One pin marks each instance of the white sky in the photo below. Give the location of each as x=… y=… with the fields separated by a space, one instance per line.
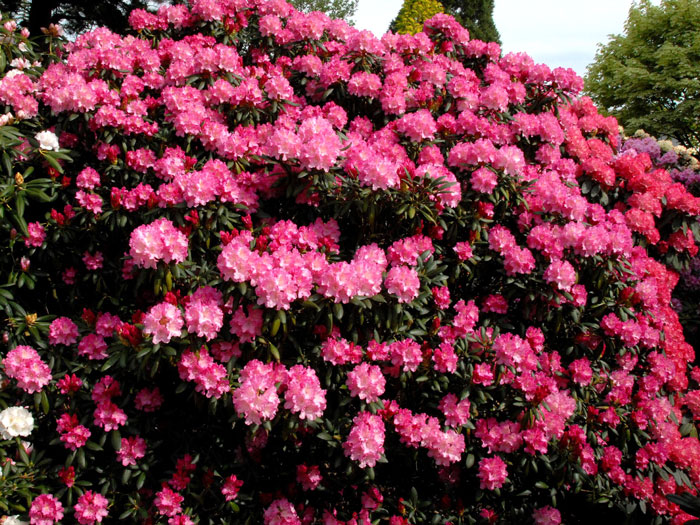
x=556 y=32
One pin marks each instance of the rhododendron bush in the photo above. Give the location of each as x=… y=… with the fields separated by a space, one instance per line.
x=265 y=267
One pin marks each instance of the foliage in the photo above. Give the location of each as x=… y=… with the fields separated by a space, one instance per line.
x=75 y=16
x=647 y=76
x=414 y=13
x=262 y=267
x=334 y=8
x=476 y=16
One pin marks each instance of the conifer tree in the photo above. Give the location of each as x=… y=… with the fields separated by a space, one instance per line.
x=476 y=16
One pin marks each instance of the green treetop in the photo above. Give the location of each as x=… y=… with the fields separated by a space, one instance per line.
x=476 y=16
x=413 y=14
x=333 y=8
x=647 y=77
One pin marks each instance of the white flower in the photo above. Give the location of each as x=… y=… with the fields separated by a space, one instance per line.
x=47 y=140
x=12 y=520
x=16 y=421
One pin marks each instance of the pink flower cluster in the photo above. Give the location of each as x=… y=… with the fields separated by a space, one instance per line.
x=24 y=364
x=211 y=377
x=91 y=507
x=157 y=241
x=445 y=447
x=365 y=443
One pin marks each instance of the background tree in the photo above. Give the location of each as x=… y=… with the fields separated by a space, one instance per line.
x=647 y=77
x=334 y=8
x=476 y=16
x=75 y=16
x=413 y=14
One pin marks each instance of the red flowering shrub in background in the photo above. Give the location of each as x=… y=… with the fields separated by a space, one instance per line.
x=284 y=271
x=683 y=166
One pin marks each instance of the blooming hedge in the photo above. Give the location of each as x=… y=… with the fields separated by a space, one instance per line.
x=265 y=267
x=682 y=165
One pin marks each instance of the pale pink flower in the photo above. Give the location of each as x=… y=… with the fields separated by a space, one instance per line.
x=24 y=364
x=403 y=282
x=158 y=241
x=366 y=382
x=304 y=395
x=281 y=512
x=456 y=412
x=256 y=398
x=365 y=443
x=163 y=321
x=546 y=516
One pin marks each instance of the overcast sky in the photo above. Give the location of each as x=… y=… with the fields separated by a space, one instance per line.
x=556 y=32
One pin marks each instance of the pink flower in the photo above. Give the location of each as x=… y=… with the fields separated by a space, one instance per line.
x=247 y=327
x=463 y=251
x=45 y=510
x=63 y=331
x=403 y=282
x=87 y=179
x=417 y=126
x=109 y=416
x=484 y=180
x=339 y=351
x=132 y=448
x=71 y=433
x=562 y=274
x=483 y=374
x=204 y=317
x=158 y=241
x=90 y=508
x=456 y=412
x=93 y=262
x=37 y=234
x=93 y=346
x=281 y=512
x=304 y=395
x=231 y=487
x=168 y=502
x=581 y=372
x=492 y=473
x=366 y=382
x=256 y=398
x=407 y=354
x=546 y=516
x=24 y=364
x=365 y=443
x=445 y=358
x=90 y=201
x=211 y=377
x=163 y=321
x=148 y=400
x=309 y=476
